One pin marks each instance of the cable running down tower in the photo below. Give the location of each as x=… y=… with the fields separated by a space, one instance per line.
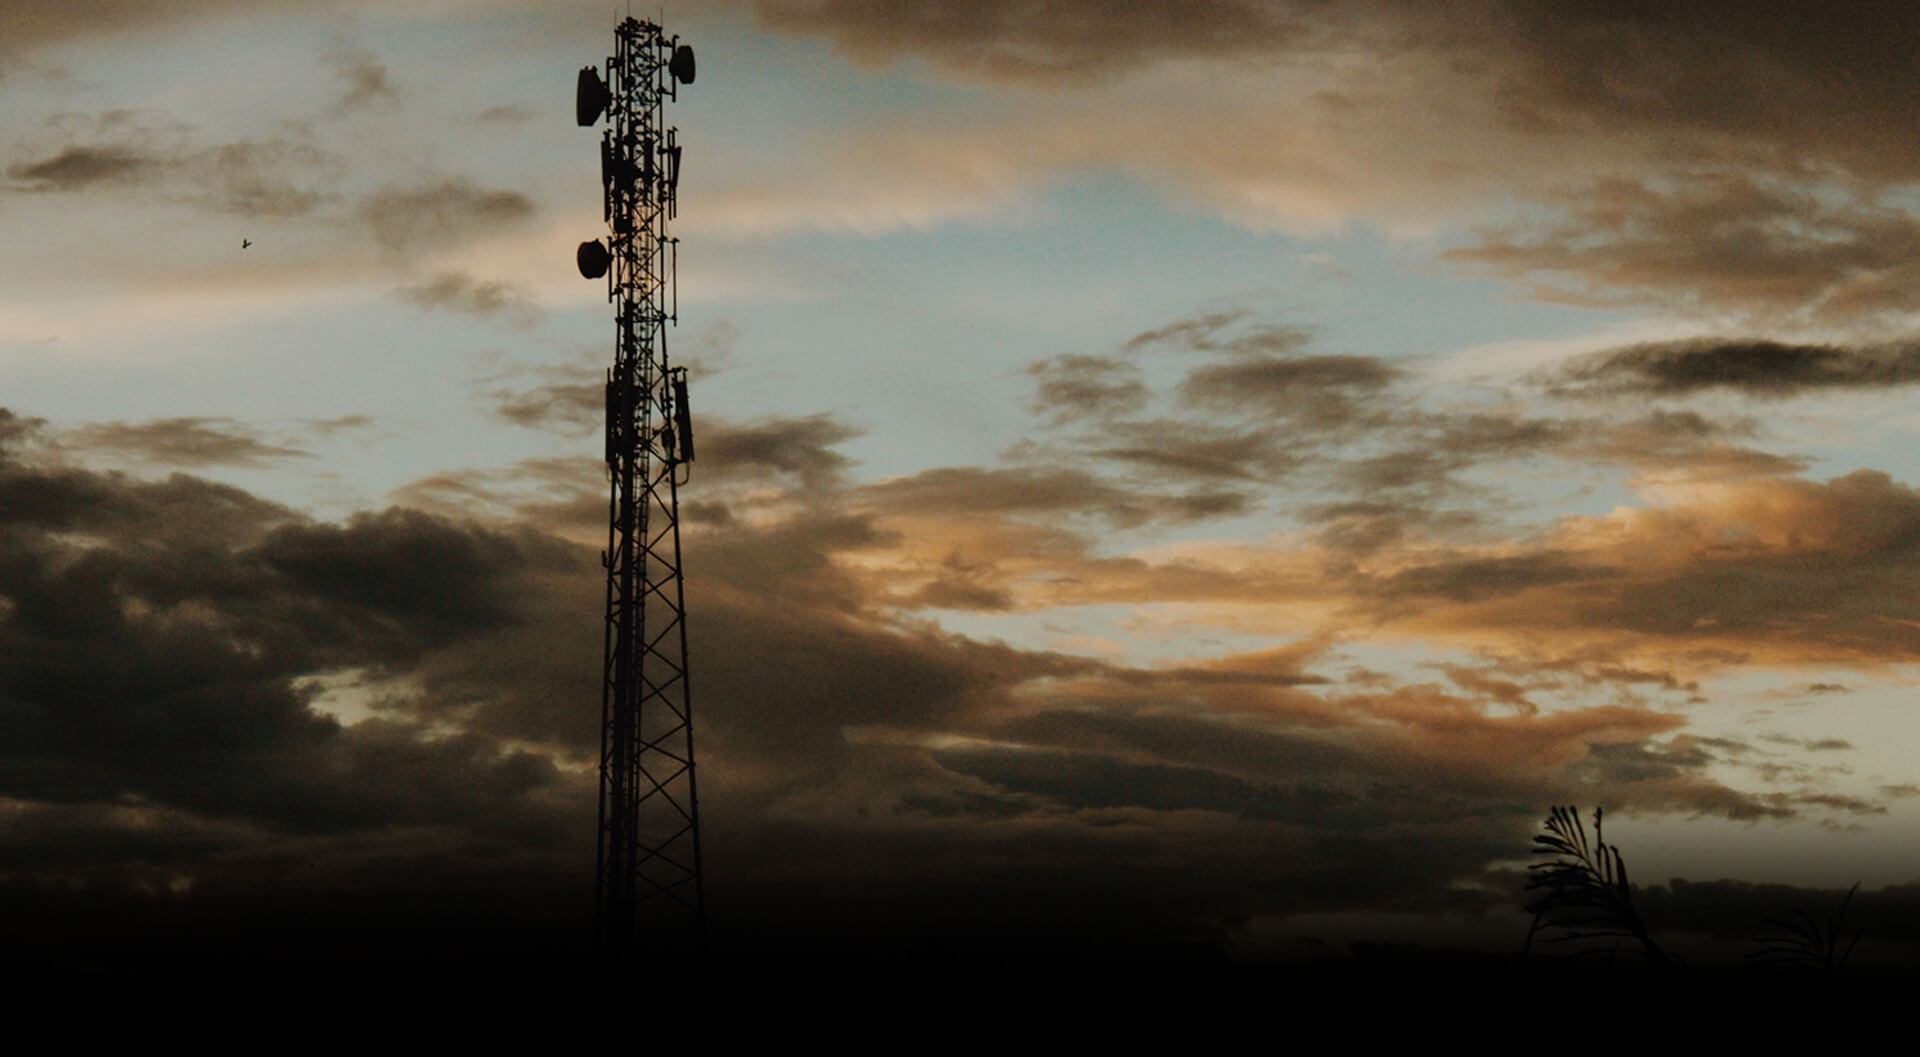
x=649 y=905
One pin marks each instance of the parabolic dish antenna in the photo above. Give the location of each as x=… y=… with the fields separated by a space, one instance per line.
x=593 y=259
x=592 y=97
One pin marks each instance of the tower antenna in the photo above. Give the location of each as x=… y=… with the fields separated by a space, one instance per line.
x=649 y=897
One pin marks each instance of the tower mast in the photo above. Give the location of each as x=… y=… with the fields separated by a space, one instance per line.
x=649 y=900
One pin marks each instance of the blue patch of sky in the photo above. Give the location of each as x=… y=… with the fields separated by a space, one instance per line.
x=923 y=338
x=1140 y=635
x=419 y=376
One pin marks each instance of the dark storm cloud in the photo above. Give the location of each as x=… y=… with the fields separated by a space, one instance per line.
x=1415 y=470
x=327 y=427
x=262 y=178
x=1282 y=382
x=1888 y=918
x=1197 y=332
x=509 y=113
x=1758 y=81
x=1188 y=449
x=77 y=836
x=399 y=573
x=790 y=452
x=566 y=406
x=1837 y=802
x=460 y=292
x=891 y=679
x=1747 y=570
x=1357 y=528
x=1420 y=477
x=1714 y=238
x=1678 y=445
x=1382 y=462
x=1737 y=156
x=1494 y=435
x=800 y=449
x=1260 y=409
x=53 y=499
x=1326 y=776
x=1321 y=393
x=803 y=664
x=1222 y=332
x=952 y=490
x=15 y=431
x=431 y=216
x=80 y=168
x=1084 y=781
x=135 y=153
x=364 y=78
x=1752 y=367
x=189 y=442
x=958 y=592
x=1473 y=579
x=1641 y=762
x=1071 y=387
x=1047 y=493
x=797 y=557
x=39 y=23
x=998 y=38
x=1705 y=79
x=1720 y=462
x=1265 y=757
x=1354 y=748
x=565 y=496
x=160 y=638
x=1801 y=745
x=1221 y=424
x=200 y=627
x=1261 y=376
x=1198 y=506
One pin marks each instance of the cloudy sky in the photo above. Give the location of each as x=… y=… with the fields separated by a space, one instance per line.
x=1198 y=482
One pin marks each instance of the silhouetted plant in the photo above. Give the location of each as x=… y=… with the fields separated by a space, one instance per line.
x=1584 y=893
x=1806 y=945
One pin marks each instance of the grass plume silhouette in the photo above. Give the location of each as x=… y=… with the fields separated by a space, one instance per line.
x=1584 y=895
x=1807 y=945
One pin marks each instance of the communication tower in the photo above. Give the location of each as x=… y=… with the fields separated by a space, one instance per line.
x=649 y=904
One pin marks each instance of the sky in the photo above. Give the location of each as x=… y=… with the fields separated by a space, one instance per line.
x=1189 y=485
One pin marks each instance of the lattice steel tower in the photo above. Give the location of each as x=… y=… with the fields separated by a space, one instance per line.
x=649 y=904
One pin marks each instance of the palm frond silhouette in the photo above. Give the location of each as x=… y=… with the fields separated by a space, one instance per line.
x=1807 y=945
x=1584 y=895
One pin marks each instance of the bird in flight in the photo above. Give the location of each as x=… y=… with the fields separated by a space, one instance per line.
x=244 y=243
